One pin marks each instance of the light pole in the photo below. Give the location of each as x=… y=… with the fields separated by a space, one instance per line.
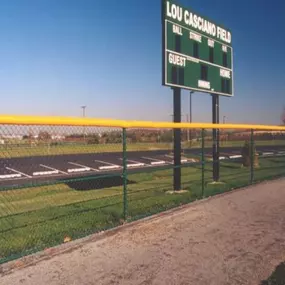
x=224 y=131
x=187 y=120
x=190 y=119
x=83 y=114
x=182 y=115
x=83 y=110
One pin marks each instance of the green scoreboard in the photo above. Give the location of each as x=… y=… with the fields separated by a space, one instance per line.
x=197 y=53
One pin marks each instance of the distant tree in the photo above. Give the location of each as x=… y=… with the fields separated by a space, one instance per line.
x=152 y=137
x=166 y=136
x=113 y=137
x=75 y=136
x=93 y=140
x=133 y=137
x=44 y=136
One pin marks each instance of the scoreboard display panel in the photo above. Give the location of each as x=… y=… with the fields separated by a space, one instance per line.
x=197 y=53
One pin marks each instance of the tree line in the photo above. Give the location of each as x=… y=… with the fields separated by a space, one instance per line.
x=151 y=136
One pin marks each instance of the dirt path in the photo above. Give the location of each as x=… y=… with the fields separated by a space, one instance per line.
x=238 y=238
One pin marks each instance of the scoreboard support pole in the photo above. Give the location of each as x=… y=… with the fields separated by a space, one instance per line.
x=177 y=139
x=216 y=138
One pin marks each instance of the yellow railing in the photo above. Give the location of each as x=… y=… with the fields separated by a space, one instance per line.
x=54 y=171
x=72 y=121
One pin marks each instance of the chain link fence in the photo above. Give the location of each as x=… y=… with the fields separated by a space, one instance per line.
x=60 y=183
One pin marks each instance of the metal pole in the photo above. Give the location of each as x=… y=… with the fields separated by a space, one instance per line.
x=83 y=110
x=188 y=136
x=125 y=176
x=252 y=154
x=173 y=121
x=203 y=162
x=216 y=139
x=83 y=114
x=177 y=139
x=190 y=115
x=224 y=131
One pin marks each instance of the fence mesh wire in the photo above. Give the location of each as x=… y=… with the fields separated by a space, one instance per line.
x=57 y=184
x=61 y=183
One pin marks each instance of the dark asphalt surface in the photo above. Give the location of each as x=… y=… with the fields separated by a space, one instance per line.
x=25 y=170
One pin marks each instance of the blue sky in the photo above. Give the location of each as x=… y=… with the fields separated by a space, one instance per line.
x=56 y=55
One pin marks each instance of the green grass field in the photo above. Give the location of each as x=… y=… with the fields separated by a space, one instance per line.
x=277 y=277
x=34 y=218
x=8 y=151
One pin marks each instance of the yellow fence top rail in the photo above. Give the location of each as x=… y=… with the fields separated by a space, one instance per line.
x=72 y=121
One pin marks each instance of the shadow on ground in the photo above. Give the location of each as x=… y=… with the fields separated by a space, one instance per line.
x=277 y=277
x=94 y=183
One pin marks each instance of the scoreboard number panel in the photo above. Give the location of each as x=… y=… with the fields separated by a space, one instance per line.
x=197 y=53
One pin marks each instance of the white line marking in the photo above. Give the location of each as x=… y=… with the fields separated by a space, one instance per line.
x=83 y=166
x=280 y=153
x=51 y=168
x=18 y=172
x=136 y=165
x=267 y=153
x=42 y=173
x=154 y=159
x=136 y=162
x=150 y=158
x=235 y=156
x=14 y=179
x=10 y=176
x=78 y=170
x=107 y=163
x=183 y=160
x=110 y=167
x=158 y=162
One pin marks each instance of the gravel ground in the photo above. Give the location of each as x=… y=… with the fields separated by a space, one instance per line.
x=236 y=238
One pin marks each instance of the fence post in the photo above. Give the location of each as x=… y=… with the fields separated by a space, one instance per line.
x=203 y=162
x=125 y=175
x=252 y=156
